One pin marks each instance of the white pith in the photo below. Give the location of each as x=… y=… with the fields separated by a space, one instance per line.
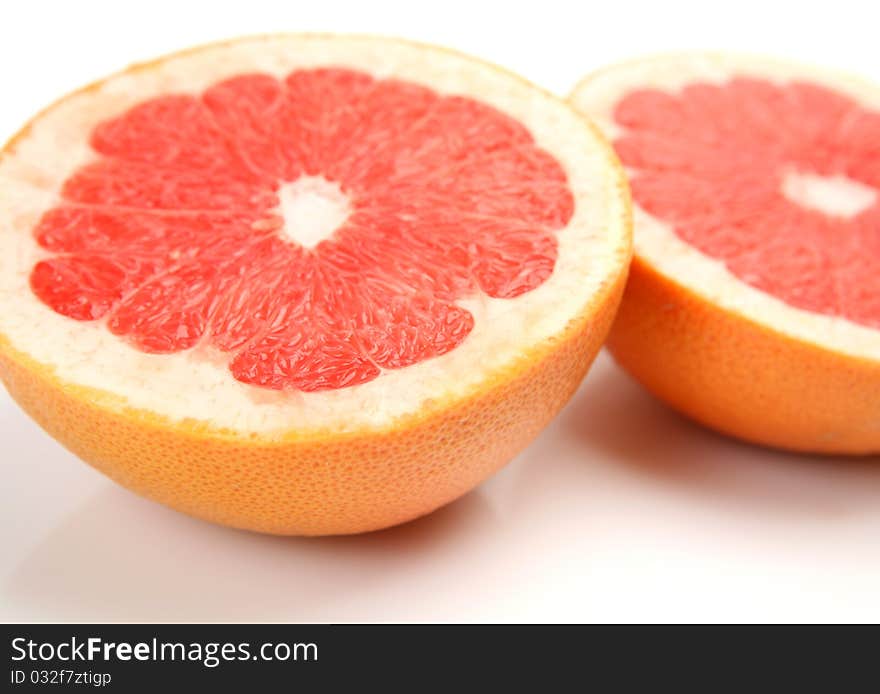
x=197 y=384
x=836 y=196
x=311 y=209
x=657 y=244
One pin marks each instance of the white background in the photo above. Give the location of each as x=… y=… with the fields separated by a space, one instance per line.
x=620 y=511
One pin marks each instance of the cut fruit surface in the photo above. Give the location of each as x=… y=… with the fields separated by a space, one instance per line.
x=310 y=280
x=334 y=228
x=754 y=302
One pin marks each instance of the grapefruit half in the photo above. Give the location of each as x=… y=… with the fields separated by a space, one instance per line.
x=306 y=284
x=754 y=298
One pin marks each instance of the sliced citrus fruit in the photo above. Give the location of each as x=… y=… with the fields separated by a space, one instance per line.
x=754 y=298
x=306 y=284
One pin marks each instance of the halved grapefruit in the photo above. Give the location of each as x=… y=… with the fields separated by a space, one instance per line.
x=306 y=284
x=754 y=298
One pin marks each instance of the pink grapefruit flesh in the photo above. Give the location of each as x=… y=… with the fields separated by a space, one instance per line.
x=177 y=236
x=777 y=181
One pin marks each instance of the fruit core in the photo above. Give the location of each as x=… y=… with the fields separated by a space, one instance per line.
x=311 y=210
x=318 y=228
x=778 y=181
x=836 y=196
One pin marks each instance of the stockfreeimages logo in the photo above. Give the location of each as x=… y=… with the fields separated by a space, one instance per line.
x=209 y=654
